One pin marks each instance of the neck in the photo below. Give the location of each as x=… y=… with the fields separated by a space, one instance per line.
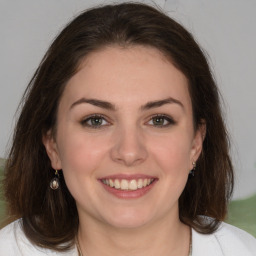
x=166 y=237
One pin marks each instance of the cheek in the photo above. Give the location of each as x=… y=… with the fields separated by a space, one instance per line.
x=80 y=157
x=172 y=154
x=80 y=153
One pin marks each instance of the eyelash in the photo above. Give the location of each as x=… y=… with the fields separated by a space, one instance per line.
x=85 y=121
x=165 y=118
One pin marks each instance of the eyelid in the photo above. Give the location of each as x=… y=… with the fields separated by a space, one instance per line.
x=87 y=118
x=166 y=117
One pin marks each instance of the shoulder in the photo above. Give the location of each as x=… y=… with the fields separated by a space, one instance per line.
x=233 y=239
x=13 y=242
x=227 y=240
x=235 y=234
x=8 y=239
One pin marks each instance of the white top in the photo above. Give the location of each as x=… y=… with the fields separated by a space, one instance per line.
x=226 y=241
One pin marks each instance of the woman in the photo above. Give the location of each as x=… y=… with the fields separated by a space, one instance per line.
x=120 y=147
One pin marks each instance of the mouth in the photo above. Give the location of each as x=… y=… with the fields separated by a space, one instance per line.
x=128 y=184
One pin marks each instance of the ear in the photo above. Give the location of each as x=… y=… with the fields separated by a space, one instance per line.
x=52 y=150
x=197 y=144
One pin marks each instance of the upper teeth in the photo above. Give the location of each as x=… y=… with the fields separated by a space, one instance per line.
x=127 y=184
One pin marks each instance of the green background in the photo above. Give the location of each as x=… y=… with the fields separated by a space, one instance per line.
x=242 y=213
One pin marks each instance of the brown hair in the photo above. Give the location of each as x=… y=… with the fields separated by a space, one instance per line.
x=49 y=217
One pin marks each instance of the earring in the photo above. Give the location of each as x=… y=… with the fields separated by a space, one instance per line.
x=55 y=182
x=192 y=172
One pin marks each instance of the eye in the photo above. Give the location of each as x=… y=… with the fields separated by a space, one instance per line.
x=161 y=121
x=95 y=121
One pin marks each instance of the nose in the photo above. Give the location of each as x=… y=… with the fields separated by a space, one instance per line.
x=129 y=147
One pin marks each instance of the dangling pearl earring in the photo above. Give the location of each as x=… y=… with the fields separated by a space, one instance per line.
x=192 y=172
x=55 y=182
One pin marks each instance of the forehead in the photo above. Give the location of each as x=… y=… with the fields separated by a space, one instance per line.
x=130 y=75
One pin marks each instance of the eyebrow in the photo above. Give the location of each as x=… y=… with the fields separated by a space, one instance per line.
x=159 y=103
x=95 y=102
x=110 y=106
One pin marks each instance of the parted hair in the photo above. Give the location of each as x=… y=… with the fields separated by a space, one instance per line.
x=50 y=218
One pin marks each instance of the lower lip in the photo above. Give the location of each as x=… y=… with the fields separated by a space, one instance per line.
x=129 y=194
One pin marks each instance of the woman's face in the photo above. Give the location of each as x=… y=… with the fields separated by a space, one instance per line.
x=125 y=139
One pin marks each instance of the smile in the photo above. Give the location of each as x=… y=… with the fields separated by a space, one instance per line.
x=125 y=184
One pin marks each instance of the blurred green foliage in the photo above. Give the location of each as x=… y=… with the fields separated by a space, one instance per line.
x=242 y=214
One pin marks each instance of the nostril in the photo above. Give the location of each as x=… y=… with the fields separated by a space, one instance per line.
x=129 y=156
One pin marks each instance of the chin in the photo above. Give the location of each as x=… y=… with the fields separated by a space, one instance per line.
x=128 y=219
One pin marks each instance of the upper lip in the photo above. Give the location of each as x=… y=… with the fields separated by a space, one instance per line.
x=128 y=177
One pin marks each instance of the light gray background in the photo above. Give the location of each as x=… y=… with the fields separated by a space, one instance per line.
x=225 y=29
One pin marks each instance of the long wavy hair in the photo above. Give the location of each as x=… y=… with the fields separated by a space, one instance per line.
x=50 y=218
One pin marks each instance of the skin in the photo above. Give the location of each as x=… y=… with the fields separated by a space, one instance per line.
x=128 y=141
